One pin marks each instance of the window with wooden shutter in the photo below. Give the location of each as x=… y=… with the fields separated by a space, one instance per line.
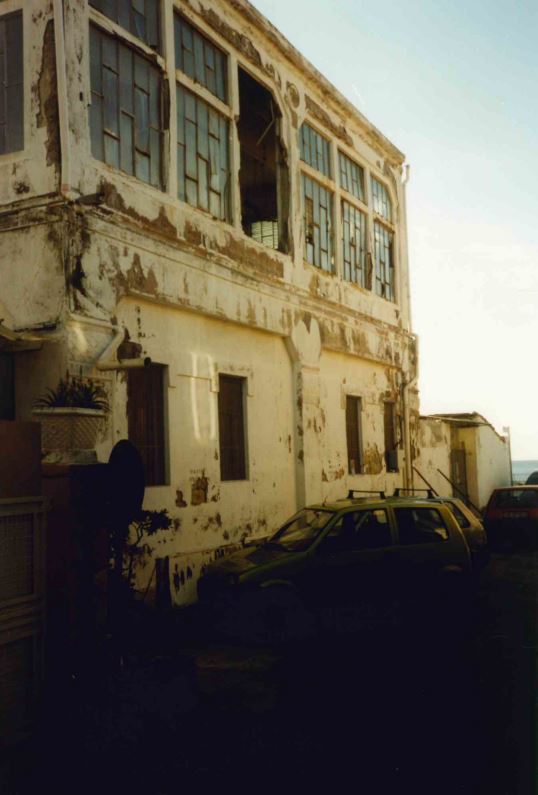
x=354 y=434
x=146 y=420
x=232 y=428
x=391 y=443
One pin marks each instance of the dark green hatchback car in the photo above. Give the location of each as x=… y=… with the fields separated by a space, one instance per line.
x=382 y=557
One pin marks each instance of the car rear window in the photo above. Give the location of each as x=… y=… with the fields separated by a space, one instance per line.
x=516 y=498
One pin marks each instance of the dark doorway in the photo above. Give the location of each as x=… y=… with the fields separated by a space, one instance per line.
x=263 y=177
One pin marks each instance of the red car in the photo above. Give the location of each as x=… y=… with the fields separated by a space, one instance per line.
x=511 y=518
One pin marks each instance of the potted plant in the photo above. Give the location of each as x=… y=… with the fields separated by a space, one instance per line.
x=70 y=417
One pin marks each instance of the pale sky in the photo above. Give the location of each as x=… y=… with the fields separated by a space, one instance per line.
x=453 y=85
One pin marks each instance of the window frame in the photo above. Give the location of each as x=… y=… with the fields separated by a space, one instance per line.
x=242 y=443
x=106 y=26
x=163 y=466
x=387 y=226
x=356 y=401
x=224 y=109
x=6 y=153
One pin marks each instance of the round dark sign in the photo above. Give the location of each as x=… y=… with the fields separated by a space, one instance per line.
x=126 y=481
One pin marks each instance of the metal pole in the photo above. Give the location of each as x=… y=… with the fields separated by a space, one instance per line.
x=506 y=431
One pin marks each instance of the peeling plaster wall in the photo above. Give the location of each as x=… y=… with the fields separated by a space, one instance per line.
x=492 y=464
x=434 y=445
x=34 y=171
x=198 y=295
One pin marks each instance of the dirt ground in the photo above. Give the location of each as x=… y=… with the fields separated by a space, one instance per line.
x=427 y=710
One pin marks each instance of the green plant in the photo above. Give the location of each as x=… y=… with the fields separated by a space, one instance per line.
x=75 y=392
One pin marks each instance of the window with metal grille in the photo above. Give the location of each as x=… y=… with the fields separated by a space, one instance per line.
x=315 y=149
x=139 y=17
x=354 y=434
x=199 y=58
x=203 y=170
x=351 y=177
x=232 y=428
x=384 y=262
x=146 y=420
x=125 y=112
x=391 y=442
x=11 y=84
x=354 y=244
x=381 y=200
x=317 y=224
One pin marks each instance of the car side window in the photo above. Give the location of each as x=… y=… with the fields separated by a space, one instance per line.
x=460 y=517
x=358 y=530
x=420 y=526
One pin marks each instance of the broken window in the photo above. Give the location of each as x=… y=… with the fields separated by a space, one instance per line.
x=381 y=200
x=317 y=223
x=351 y=177
x=391 y=442
x=384 y=262
x=315 y=150
x=354 y=244
x=146 y=420
x=354 y=434
x=232 y=428
x=203 y=170
x=199 y=58
x=11 y=84
x=125 y=112
x=139 y=17
x=263 y=177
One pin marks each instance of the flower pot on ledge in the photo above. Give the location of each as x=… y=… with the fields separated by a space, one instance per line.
x=69 y=434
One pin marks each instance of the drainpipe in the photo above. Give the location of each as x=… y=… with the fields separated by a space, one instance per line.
x=63 y=102
x=108 y=360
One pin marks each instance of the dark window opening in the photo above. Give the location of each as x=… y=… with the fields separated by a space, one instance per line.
x=11 y=84
x=232 y=428
x=199 y=58
x=125 y=112
x=354 y=434
x=391 y=441
x=146 y=420
x=139 y=17
x=263 y=177
x=7 y=386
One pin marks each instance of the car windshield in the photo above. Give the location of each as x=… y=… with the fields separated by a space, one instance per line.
x=517 y=498
x=300 y=531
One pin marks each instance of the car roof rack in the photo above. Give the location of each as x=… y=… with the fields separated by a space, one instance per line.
x=351 y=492
x=398 y=492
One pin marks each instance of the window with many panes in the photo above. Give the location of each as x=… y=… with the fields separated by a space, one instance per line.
x=317 y=199
x=126 y=110
x=383 y=242
x=203 y=125
x=11 y=84
x=139 y=17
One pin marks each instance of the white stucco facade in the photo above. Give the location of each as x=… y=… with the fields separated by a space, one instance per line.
x=91 y=255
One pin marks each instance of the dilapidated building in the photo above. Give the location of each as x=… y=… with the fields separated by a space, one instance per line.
x=192 y=215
